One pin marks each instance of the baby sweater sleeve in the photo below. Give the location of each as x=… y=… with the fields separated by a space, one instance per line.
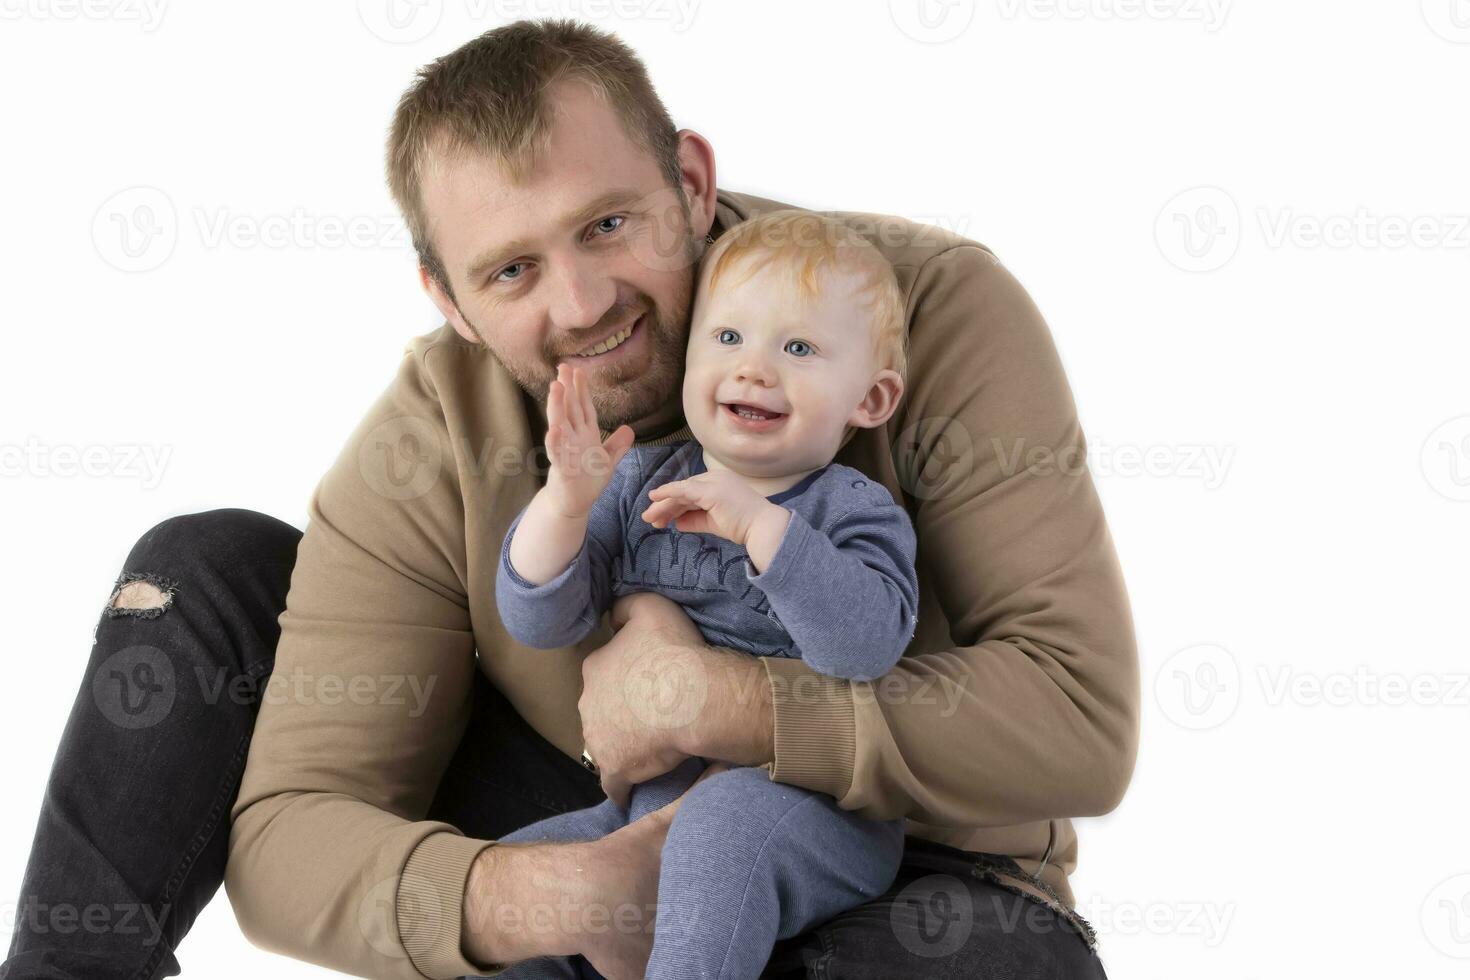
x=562 y=611
x=847 y=594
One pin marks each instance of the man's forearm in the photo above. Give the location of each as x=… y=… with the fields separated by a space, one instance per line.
x=737 y=721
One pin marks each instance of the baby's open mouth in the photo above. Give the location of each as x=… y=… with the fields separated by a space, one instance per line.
x=751 y=413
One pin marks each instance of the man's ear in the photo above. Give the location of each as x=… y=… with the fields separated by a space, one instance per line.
x=448 y=307
x=697 y=167
x=880 y=402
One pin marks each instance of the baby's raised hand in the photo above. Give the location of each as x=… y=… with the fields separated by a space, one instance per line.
x=581 y=463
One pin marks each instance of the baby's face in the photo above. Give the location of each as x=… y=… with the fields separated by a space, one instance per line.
x=807 y=362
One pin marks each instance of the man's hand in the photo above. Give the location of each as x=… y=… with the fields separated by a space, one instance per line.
x=656 y=695
x=597 y=898
x=718 y=502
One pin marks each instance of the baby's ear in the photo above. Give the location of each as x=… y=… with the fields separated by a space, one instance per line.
x=879 y=404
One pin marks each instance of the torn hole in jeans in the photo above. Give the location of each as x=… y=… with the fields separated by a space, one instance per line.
x=142 y=595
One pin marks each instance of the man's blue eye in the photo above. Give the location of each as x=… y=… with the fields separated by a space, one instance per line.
x=801 y=344
x=727 y=333
x=500 y=276
x=608 y=231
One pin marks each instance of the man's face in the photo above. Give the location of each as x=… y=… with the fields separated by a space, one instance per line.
x=592 y=249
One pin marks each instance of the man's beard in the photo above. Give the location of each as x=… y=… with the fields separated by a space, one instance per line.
x=624 y=393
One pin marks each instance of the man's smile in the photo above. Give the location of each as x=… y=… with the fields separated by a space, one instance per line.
x=609 y=345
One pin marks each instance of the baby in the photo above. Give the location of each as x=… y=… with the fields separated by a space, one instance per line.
x=797 y=335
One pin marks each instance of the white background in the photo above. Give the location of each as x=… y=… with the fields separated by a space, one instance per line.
x=1247 y=223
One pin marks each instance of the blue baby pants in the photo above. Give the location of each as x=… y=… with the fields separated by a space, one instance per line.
x=747 y=861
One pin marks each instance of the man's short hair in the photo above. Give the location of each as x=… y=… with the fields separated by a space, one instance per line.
x=805 y=243
x=489 y=96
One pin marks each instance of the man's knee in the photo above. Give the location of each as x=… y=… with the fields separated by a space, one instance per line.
x=222 y=539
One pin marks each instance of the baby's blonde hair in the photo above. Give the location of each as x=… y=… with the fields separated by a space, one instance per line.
x=806 y=243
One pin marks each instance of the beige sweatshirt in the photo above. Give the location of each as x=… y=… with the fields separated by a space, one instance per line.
x=1015 y=707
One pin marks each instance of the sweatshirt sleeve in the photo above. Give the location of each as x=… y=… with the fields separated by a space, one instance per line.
x=1031 y=710
x=847 y=594
x=331 y=858
x=564 y=610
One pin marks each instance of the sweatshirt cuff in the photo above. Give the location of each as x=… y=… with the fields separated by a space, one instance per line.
x=430 y=905
x=816 y=730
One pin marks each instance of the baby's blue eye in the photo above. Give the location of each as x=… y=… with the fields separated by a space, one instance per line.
x=806 y=347
x=720 y=338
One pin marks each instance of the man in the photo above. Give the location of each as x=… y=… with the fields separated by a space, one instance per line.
x=402 y=730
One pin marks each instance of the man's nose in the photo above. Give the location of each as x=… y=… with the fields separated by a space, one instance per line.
x=581 y=296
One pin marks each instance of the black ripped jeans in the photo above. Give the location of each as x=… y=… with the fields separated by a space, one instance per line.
x=133 y=832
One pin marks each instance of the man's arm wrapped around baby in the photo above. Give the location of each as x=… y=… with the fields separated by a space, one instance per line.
x=847 y=592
